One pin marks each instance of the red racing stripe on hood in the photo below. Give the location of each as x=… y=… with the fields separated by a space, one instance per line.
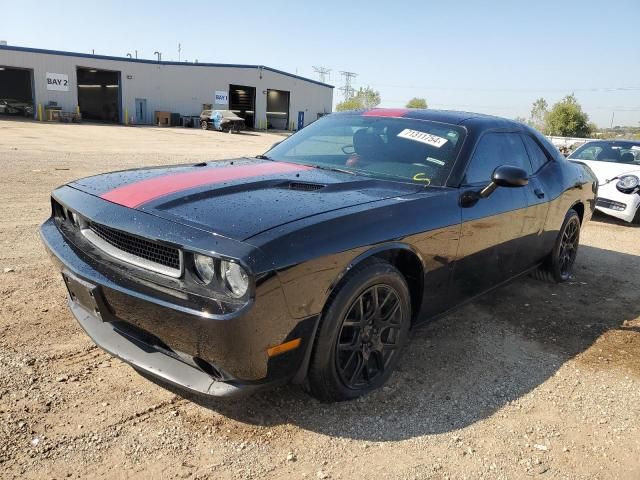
x=386 y=112
x=135 y=194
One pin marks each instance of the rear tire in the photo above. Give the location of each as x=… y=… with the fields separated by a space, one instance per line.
x=361 y=334
x=204 y=125
x=558 y=267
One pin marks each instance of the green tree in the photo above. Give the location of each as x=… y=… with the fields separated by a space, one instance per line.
x=363 y=98
x=566 y=119
x=539 y=110
x=349 y=104
x=417 y=102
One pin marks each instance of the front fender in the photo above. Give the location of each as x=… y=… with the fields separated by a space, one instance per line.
x=313 y=255
x=378 y=250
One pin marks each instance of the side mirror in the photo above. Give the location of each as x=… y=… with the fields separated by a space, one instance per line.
x=505 y=176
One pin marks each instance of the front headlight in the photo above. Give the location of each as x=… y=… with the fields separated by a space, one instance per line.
x=205 y=268
x=627 y=183
x=235 y=278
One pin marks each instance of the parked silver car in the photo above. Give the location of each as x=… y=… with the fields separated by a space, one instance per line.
x=221 y=120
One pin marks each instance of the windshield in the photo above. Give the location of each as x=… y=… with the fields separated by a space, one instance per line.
x=393 y=148
x=614 y=152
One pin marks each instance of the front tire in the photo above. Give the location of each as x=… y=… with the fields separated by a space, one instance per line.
x=362 y=332
x=559 y=265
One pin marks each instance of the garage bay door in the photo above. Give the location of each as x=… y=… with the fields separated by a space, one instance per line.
x=16 y=92
x=242 y=101
x=99 y=94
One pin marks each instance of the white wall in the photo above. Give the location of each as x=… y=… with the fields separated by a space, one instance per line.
x=568 y=141
x=181 y=88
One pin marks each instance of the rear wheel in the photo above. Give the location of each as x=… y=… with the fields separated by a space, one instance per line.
x=559 y=265
x=361 y=333
x=204 y=125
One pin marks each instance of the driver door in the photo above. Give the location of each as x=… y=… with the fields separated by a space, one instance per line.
x=492 y=227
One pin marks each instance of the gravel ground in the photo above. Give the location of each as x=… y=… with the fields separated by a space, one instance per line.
x=532 y=380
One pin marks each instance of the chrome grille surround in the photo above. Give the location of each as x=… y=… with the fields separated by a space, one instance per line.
x=137 y=251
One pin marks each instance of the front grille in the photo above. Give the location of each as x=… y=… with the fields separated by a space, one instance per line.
x=610 y=204
x=136 y=250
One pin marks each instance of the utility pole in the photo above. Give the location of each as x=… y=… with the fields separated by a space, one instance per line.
x=179 y=50
x=323 y=73
x=613 y=115
x=347 y=90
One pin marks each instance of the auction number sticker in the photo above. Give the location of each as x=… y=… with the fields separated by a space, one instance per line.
x=422 y=137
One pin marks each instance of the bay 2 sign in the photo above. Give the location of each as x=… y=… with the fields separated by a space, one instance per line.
x=58 y=81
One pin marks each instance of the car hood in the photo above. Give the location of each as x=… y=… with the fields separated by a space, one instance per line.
x=605 y=171
x=233 y=118
x=239 y=198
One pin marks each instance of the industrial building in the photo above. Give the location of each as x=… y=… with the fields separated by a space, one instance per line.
x=130 y=90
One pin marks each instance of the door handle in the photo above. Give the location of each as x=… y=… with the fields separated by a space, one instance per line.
x=539 y=193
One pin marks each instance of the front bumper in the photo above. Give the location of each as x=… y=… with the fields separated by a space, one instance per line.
x=192 y=345
x=609 y=196
x=144 y=357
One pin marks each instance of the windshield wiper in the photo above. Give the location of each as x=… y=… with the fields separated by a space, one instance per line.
x=321 y=167
x=335 y=169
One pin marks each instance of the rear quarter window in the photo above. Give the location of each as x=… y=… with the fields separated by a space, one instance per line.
x=536 y=154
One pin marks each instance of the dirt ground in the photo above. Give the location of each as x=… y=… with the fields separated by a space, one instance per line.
x=532 y=380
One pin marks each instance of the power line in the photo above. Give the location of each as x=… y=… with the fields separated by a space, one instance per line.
x=617 y=108
x=347 y=90
x=517 y=90
x=324 y=73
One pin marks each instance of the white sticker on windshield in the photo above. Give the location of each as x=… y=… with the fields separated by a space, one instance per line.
x=422 y=137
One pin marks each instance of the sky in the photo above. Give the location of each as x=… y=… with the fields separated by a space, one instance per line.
x=492 y=57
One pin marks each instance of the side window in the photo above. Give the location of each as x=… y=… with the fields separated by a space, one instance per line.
x=537 y=156
x=516 y=153
x=590 y=153
x=493 y=150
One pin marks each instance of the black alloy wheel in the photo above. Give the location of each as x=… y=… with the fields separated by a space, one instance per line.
x=558 y=267
x=569 y=246
x=369 y=336
x=361 y=332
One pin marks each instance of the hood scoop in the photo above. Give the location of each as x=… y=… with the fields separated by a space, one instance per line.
x=305 y=186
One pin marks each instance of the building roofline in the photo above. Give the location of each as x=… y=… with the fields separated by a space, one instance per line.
x=155 y=62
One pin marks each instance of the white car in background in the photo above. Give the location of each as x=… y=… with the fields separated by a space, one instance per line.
x=616 y=163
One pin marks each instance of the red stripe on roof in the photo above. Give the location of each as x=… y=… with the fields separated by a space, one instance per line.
x=386 y=112
x=135 y=194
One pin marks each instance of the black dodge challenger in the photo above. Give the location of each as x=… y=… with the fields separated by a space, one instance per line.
x=313 y=262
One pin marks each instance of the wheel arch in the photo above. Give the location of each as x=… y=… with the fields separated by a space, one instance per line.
x=403 y=257
x=579 y=208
